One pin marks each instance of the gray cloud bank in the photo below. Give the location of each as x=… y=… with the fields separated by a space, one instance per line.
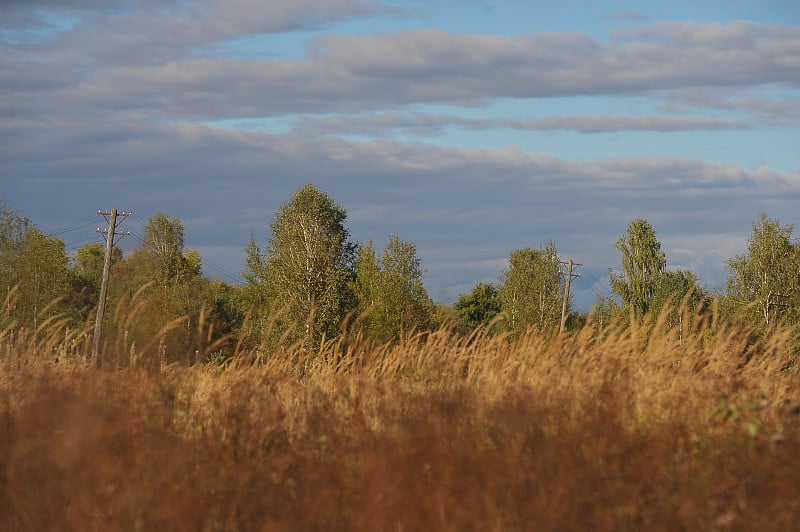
x=465 y=209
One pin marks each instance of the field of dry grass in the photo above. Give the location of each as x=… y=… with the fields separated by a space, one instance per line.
x=641 y=429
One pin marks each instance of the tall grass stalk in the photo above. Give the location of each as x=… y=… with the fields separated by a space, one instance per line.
x=642 y=426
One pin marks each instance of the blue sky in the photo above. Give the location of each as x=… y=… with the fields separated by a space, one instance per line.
x=470 y=128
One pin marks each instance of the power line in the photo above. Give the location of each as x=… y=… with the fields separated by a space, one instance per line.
x=222 y=271
x=206 y=263
x=593 y=290
x=80 y=224
x=68 y=245
x=590 y=287
x=139 y=219
x=596 y=282
x=138 y=237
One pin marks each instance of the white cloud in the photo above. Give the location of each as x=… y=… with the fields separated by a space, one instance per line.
x=369 y=71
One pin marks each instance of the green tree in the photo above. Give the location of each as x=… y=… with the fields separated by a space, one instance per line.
x=161 y=259
x=367 y=287
x=403 y=280
x=676 y=287
x=88 y=262
x=254 y=296
x=163 y=251
x=309 y=262
x=603 y=312
x=13 y=228
x=34 y=264
x=478 y=308
x=176 y=294
x=44 y=276
x=765 y=281
x=86 y=275
x=643 y=264
x=255 y=271
x=531 y=292
x=391 y=289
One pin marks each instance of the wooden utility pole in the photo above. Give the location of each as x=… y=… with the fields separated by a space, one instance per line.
x=101 y=304
x=570 y=275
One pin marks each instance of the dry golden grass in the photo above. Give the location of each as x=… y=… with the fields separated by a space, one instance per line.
x=642 y=428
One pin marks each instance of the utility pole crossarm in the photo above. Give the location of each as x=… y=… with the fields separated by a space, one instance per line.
x=107 y=215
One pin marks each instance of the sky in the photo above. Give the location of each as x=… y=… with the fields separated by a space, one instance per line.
x=469 y=128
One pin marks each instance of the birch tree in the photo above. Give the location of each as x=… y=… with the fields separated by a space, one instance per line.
x=765 y=281
x=33 y=268
x=643 y=264
x=531 y=291
x=309 y=262
x=390 y=288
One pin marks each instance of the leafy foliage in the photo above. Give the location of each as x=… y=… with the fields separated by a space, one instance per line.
x=765 y=281
x=390 y=292
x=309 y=263
x=603 y=312
x=86 y=276
x=674 y=289
x=478 y=308
x=33 y=269
x=162 y=284
x=309 y=278
x=163 y=253
x=643 y=264
x=531 y=293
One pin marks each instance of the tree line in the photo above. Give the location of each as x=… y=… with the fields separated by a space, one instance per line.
x=308 y=282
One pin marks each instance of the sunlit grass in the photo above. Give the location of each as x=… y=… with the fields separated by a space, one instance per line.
x=630 y=428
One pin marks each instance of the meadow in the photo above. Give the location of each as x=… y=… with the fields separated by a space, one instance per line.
x=642 y=427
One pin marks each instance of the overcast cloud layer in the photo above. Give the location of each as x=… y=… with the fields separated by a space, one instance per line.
x=468 y=143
